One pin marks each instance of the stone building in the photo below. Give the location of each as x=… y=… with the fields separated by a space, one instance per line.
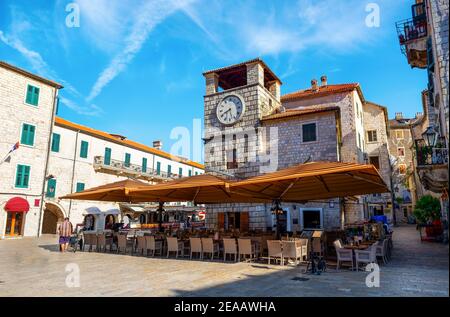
x=250 y=129
x=424 y=41
x=57 y=157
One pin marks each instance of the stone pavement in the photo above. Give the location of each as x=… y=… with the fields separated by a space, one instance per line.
x=34 y=267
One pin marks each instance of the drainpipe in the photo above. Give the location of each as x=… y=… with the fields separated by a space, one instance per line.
x=73 y=171
x=49 y=144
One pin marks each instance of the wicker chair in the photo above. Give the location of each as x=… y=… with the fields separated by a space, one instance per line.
x=366 y=256
x=291 y=250
x=275 y=251
x=122 y=243
x=140 y=245
x=196 y=247
x=153 y=245
x=103 y=242
x=246 y=247
x=382 y=250
x=173 y=245
x=343 y=255
x=210 y=247
x=229 y=247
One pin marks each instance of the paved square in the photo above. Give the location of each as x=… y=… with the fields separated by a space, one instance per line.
x=34 y=267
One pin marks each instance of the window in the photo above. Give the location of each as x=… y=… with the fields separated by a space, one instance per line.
x=169 y=170
x=180 y=172
x=190 y=173
x=127 y=159
x=401 y=151
x=84 y=149
x=196 y=173
x=399 y=134
x=51 y=188
x=309 y=132
x=232 y=159
x=80 y=187
x=311 y=218
x=372 y=136
x=55 y=142
x=22 y=176
x=27 y=137
x=158 y=168
x=144 y=165
x=107 y=160
x=402 y=169
x=32 y=95
x=375 y=161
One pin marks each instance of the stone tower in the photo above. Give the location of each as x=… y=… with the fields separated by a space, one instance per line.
x=237 y=97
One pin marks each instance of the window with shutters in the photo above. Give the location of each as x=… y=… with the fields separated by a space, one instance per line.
x=127 y=159
x=158 y=168
x=51 y=188
x=190 y=173
x=169 y=170
x=107 y=160
x=22 y=176
x=372 y=136
x=32 y=97
x=80 y=187
x=55 y=142
x=84 y=149
x=144 y=165
x=27 y=137
x=180 y=172
x=309 y=133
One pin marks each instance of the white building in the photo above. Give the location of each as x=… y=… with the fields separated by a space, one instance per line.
x=57 y=157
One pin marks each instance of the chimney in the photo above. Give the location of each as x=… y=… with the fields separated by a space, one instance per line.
x=419 y=114
x=314 y=86
x=323 y=81
x=398 y=115
x=157 y=144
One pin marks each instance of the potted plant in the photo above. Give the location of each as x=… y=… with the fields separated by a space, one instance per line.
x=428 y=211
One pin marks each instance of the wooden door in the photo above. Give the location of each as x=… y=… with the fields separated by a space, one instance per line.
x=221 y=220
x=244 y=226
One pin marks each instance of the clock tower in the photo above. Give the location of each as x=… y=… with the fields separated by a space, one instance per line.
x=236 y=99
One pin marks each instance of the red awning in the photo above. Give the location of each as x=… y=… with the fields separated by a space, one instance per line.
x=17 y=204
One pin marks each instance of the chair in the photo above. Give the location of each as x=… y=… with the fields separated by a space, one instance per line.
x=122 y=243
x=229 y=247
x=173 y=245
x=291 y=250
x=102 y=242
x=303 y=248
x=246 y=247
x=86 y=240
x=343 y=255
x=152 y=245
x=382 y=250
x=140 y=244
x=196 y=247
x=317 y=246
x=209 y=247
x=275 y=251
x=91 y=240
x=366 y=256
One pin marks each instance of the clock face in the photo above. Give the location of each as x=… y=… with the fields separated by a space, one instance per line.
x=230 y=109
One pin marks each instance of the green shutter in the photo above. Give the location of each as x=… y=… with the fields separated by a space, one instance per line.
x=107 y=160
x=32 y=95
x=55 y=142
x=180 y=172
x=80 y=187
x=158 y=168
x=51 y=188
x=169 y=169
x=22 y=176
x=309 y=132
x=190 y=173
x=196 y=173
x=27 y=137
x=144 y=165
x=127 y=159
x=84 y=149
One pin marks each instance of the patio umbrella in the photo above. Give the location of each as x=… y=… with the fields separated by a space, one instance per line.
x=114 y=192
x=313 y=181
x=202 y=189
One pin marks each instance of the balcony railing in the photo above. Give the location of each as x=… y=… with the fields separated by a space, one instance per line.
x=121 y=167
x=428 y=156
x=411 y=29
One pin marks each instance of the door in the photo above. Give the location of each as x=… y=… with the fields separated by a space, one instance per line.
x=14 y=224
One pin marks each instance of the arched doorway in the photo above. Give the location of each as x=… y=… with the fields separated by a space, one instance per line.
x=52 y=216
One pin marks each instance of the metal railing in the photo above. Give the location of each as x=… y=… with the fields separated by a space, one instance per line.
x=134 y=169
x=427 y=155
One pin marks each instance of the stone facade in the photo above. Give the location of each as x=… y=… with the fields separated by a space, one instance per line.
x=14 y=112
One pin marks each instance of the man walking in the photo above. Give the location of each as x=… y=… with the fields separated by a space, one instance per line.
x=64 y=231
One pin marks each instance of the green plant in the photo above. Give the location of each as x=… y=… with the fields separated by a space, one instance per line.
x=427 y=207
x=399 y=200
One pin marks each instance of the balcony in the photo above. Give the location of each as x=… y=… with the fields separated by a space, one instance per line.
x=122 y=168
x=432 y=165
x=427 y=155
x=412 y=35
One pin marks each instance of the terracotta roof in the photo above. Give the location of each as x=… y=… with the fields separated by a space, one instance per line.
x=254 y=60
x=300 y=112
x=110 y=137
x=323 y=91
x=28 y=74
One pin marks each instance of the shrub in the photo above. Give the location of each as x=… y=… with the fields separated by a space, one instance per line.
x=427 y=207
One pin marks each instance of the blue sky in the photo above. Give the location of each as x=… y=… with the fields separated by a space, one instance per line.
x=135 y=67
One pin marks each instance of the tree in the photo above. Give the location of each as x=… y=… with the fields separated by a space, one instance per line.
x=427 y=207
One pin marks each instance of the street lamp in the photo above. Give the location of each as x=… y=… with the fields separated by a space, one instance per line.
x=430 y=136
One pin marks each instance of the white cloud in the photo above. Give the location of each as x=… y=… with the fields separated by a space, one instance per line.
x=147 y=18
x=90 y=110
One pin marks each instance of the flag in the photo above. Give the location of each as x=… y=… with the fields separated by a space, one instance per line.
x=15 y=147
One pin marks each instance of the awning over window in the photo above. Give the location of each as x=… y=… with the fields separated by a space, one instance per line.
x=17 y=204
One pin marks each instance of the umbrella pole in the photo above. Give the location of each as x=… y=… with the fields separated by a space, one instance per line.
x=160 y=213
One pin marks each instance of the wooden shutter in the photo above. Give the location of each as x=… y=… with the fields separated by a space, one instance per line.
x=84 y=149
x=51 y=187
x=158 y=168
x=144 y=165
x=80 y=187
x=127 y=159
x=221 y=220
x=244 y=222
x=55 y=142
x=107 y=160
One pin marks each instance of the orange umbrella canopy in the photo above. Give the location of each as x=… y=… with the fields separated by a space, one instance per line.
x=202 y=189
x=115 y=192
x=313 y=181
